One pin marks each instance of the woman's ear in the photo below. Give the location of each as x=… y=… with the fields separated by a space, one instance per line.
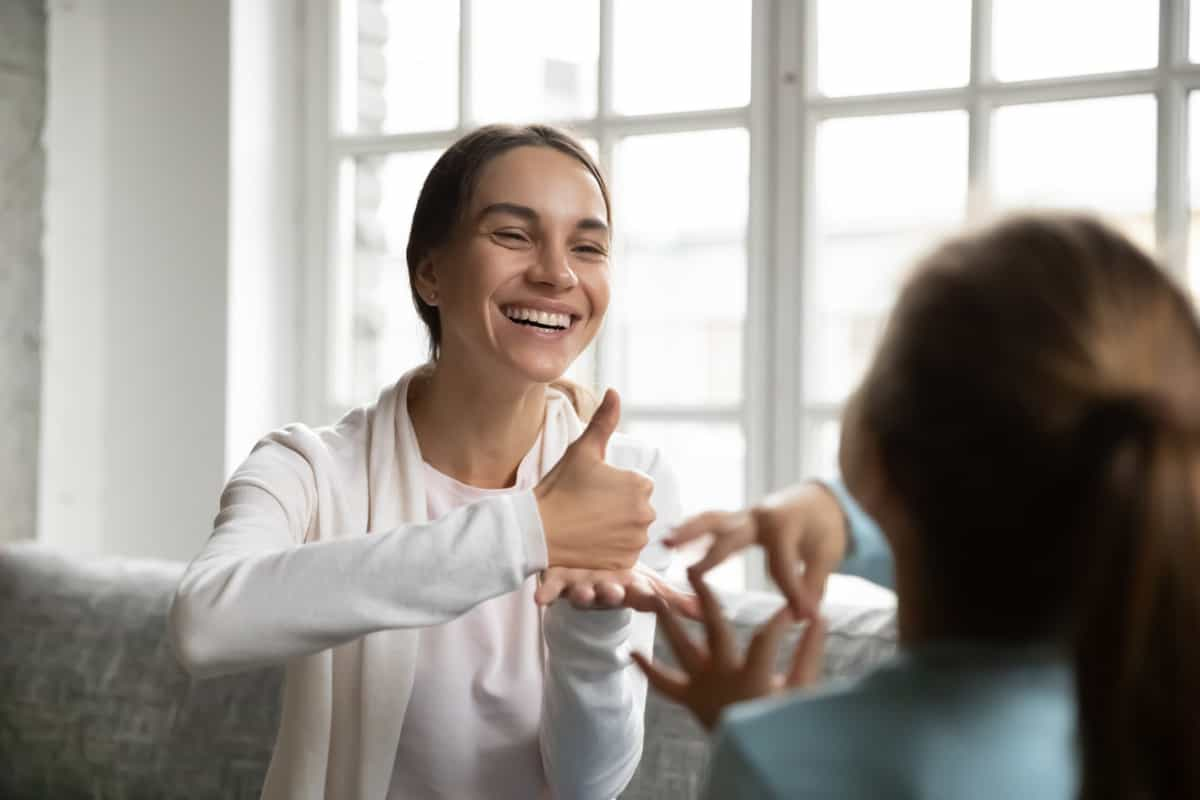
x=426 y=280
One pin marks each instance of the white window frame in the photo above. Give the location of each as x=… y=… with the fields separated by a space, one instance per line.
x=782 y=117
x=800 y=108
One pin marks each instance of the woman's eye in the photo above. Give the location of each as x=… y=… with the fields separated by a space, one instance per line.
x=591 y=250
x=512 y=237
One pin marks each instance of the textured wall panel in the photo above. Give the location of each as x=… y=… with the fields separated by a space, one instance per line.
x=22 y=179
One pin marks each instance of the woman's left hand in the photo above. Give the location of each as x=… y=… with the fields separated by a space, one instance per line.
x=715 y=676
x=640 y=589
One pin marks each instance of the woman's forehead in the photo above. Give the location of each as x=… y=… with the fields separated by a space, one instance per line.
x=541 y=178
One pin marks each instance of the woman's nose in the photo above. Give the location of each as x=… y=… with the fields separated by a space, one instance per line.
x=553 y=268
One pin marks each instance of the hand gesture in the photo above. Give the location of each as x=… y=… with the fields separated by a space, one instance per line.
x=714 y=676
x=595 y=516
x=640 y=589
x=799 y=527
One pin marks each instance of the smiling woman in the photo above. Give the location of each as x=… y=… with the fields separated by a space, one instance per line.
x=481 y=537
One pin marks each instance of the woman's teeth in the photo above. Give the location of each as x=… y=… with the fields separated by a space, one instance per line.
x=541 y=319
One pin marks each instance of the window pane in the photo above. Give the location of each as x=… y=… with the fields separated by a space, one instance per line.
x=405 y=57
x=887 y=187
x=387 y=337
x=822 y=439
x=675 y=325
x=1047 y=38
x=534 y=59
x=1096 y=155
x=709 y=462
x=671 y=55
x=917 y=44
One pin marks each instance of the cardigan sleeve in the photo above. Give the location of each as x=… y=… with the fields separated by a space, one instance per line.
x=257 y=594
x=594 y=698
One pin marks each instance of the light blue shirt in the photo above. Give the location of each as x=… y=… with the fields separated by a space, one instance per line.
x=948 y=720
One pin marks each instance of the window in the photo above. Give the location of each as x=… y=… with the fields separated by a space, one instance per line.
x=776 y=167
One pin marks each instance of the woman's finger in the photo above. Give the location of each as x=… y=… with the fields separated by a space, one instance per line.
x=689 y=655
x=720 y=637
x=609 y=594
x=668 y=681
x=810 y=656
x=582 y=595
x=551 y=587
x=760 y=655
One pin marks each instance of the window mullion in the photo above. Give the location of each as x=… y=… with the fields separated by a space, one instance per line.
x=979 y=151
x=757 y=342
x=1171 y=201
x=604 y=72
x=465 y=58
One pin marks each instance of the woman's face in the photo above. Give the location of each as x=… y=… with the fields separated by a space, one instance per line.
x=523 y=284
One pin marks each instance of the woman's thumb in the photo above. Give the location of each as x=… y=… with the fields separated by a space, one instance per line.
x=595 y=437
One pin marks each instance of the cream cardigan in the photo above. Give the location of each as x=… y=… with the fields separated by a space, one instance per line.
x=288 y=575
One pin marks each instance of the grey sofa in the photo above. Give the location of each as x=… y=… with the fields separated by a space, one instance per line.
x=94 y=705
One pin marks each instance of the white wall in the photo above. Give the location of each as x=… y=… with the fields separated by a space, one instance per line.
x=265 y=209
x=134 y=387
x=75 y=310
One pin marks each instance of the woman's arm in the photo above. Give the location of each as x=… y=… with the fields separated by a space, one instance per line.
x=257 y=595
x=594 y=701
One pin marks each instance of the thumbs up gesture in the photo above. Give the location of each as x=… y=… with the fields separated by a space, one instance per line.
x=595 y=516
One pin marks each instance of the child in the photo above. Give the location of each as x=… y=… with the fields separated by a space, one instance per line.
x=1028 y=439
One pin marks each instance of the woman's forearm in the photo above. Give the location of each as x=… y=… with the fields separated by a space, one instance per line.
x=256 y=596
x=594 y=700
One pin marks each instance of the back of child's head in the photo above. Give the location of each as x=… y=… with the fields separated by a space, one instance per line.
x=1035 y=408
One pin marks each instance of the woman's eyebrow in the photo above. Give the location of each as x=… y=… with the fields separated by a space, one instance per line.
x=592 y=224
x=524 y=212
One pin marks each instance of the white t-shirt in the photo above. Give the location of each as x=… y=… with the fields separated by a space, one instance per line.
x=471 y=729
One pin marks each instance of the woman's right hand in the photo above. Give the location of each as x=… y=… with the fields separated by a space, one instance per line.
x=595 y=515
x=802 y=525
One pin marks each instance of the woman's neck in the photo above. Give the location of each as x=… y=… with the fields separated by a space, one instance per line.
x=475 y=430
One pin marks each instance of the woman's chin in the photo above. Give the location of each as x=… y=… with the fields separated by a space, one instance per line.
x=541 y=369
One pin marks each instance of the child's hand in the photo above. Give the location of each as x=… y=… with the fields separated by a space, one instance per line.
x=715 y=676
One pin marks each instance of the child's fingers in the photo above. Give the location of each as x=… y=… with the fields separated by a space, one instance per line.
x=690 y=656
x=810 y=656
x=720 y=637
x=694 y=527
x=781 y=565
x=760 y=655
x=668 y=681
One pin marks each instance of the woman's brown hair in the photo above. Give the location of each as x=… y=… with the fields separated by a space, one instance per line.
x=1035 y=406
